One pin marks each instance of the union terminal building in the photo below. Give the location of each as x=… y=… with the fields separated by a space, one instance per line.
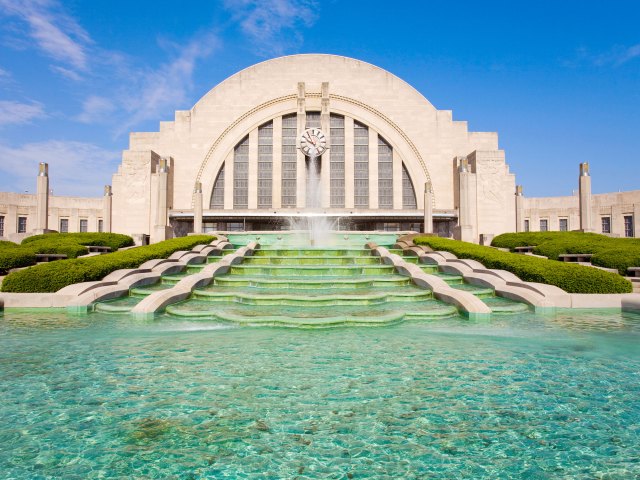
x=388 y=152
x=388 y=160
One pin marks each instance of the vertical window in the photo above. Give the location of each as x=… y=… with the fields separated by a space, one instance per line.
x=64 y=225
x=385 y=174
x=1 y=225
x=606 y=224
x=336 y=158
x=628 y=225
x=265 y=165
x=100 y=226
x=83 y=225
x=408 y=192
x=313 y=120
x=564 y=224
x=544 y=225
x=526 y=225
x=22 y=224
x=360 y=165
x=217 y=196
x=289 y=160
x=241 y=174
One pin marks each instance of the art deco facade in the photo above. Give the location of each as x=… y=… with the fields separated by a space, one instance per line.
x=233 y=162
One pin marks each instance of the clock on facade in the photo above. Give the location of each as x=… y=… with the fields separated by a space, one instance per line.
x=313 y=142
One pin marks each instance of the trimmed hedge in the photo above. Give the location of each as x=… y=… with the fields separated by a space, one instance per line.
x=570 y=277
x=610 y=252
x=69 y=244
x=51 y=277
x=15 y=258
x=113 y=240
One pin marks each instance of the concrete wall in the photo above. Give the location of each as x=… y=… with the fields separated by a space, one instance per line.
x=74 y=209
x=612 y=205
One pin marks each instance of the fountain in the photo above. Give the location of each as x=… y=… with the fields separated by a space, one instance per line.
x=316 y=225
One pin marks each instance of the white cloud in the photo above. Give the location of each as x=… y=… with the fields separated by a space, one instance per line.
x=95 y=109
x=167 y=87
x=16 y=113
x=4 y=74
x=273 y=26
x=55 y=33
x=75 y=168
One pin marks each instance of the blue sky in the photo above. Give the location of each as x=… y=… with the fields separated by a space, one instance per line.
x=558 y=81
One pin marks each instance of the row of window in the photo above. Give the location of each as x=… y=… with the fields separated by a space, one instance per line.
x=336 y=165
x=64 y=225
x=605 y=225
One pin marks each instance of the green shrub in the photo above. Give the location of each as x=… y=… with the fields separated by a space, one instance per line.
x=570 y=277
x=610 y=252
x=113 y=240
x=15 y=258
x=51 y=277
x=4 y=244
x=70 y=249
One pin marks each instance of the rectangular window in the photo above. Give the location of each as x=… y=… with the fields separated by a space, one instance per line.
x=83 y=225
x=1 y=226
x=64 y=225
x=217 y=197
x=22 y=224
x=628 y=225
x=360 y=165
x=564 y=224
x=265 y=164
x=544 y=225
x=100 y=226
x=289 y=160
x=385 y=174
x=526 y=225
x=606 y=224
x=336 y=159
x=241 y=174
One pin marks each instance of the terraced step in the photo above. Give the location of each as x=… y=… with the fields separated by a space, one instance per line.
x=312 y=260
x=311 y=252
x=310 y=283
x=316 y=317
x=311 y=270
x=311 y=300
x=480 y=292
x=119 y=305
x=149 y=289
x=502 y=305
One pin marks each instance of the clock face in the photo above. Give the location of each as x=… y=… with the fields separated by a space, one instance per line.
x=313 y=143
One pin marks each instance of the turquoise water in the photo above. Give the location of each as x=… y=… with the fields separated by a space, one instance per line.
x=520 y=396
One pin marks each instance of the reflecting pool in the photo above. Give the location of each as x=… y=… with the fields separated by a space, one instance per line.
x=522 y=396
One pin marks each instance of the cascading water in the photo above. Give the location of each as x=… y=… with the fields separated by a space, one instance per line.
x=314 y=223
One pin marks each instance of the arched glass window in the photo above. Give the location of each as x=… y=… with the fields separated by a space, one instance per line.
x=265 y=164
x=336 y=156
x=241 y=174
x=385 y=174
x=289 y=160
x=217 y=196
x=360 y=165
x=408 y=192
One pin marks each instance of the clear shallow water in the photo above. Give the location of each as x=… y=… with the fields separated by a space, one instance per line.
x=526 y=396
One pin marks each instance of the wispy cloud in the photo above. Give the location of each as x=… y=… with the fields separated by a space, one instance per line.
x=4 y=74
x=95 y=109
x=273 y=26
x=616 y=56
x=76 y=168
x=167 y=87
x=54 y=32
x=16 y=113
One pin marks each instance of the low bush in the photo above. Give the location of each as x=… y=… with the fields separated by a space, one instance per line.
x=570 y=277
x=610 y=252
x=4 y=244
x=113 y=240
x=51 y=277
x=15 y=258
